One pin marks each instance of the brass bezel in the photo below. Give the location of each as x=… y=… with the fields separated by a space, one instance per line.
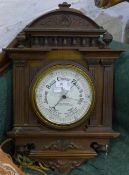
x=42 y=74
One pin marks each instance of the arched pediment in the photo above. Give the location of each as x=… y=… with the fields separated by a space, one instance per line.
x=64 y=17
x=61 y=28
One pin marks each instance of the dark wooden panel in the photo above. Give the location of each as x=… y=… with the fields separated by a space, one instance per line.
x=19 y=93
x=97 y=73
x=107 y=95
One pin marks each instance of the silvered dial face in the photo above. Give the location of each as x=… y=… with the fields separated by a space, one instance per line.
x=64 y=95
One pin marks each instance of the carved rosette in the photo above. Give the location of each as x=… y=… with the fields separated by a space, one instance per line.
x=63 y=165
x=64 y=21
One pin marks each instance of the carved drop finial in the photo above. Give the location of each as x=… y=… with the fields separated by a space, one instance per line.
x=64 y=5
x=107 y=38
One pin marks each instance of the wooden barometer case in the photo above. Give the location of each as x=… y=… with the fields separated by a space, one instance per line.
x=62 y=88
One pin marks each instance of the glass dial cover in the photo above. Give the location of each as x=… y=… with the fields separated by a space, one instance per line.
x=63 y=95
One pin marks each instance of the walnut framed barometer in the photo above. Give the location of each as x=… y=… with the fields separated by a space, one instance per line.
x=62 y=89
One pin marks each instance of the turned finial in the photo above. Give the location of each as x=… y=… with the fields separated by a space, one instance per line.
x=64 y=5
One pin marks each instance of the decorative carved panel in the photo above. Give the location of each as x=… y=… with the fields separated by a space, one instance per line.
x=63 y=165
x=62 y=145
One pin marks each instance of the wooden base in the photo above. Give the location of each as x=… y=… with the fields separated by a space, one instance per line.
x=60 y=151
x=63 y=161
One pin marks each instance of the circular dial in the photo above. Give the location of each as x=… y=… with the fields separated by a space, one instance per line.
x=63 y=95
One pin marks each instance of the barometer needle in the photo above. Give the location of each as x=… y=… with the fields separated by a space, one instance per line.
x=64 y=96
x=58 y=102
x=61 y=97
